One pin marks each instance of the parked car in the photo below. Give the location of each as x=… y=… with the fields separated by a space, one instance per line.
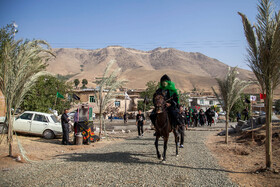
x=262 y=113
x=222 y=113
x=71 y=115
x=256 y=112
x=38 y=123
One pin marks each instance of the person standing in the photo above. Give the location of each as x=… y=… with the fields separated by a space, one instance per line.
x=201 y=116
x=195 y=118
x=125 y=118
x=245 y=113
x=183 y=122
x=216 y=117
x=65 y=127
x=140 y=121
x=76 y=120
x=188 y=115
x=238 y=116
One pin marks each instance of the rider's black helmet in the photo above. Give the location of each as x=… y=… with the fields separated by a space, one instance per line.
x=164 y=78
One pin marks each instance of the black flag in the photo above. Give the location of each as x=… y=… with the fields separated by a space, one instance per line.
x=146 y=100
x=75 y=97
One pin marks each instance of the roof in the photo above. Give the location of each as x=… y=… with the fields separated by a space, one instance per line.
x=42 y=113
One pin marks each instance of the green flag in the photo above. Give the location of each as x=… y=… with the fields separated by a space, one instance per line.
x=59 y=95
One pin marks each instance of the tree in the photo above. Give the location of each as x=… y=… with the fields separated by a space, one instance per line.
x=21 y=64
x=239 y=106
x=230 y=89
x=84 y=82
x=110 y=82
x=147 y=95
x=263 y=40
x=42 y=95
x=76 y=82
x=184 y=98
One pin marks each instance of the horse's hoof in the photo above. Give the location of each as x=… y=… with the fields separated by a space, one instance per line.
x=177 y=155
x=163 y=161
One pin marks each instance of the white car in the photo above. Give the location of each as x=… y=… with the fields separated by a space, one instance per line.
x=38 y=123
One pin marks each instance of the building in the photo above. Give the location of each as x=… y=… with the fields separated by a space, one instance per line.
x=118 y=105
x=204 y=102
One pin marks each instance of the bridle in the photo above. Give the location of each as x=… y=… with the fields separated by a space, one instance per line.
x=163 y=109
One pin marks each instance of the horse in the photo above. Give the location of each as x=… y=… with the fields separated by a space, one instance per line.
x=163 y=126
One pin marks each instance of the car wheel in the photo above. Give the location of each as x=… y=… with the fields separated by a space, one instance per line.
x=48 y=134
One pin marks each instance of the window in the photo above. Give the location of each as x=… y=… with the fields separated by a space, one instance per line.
x=26 y=116
x=201 y=101
x=54 y=119
x=117 y=103
x=211 y=102
x=91 y=99
x=40 y=118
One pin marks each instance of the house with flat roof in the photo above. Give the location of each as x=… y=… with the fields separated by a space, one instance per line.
x=204 y=102
x=90 y=96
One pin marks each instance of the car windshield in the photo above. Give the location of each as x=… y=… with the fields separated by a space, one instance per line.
x=54 y=119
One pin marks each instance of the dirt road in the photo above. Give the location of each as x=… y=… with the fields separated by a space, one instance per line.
x=131 y=162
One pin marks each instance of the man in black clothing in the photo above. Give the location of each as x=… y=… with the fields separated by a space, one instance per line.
x=65 y=128
x=209 y=116
x=195 y=118
x=140 y=120
x=183 y=122
x=245 y=113
x=168 y=90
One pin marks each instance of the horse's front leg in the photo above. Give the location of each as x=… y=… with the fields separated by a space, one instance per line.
x=156 y=144
x=176 y=135
x=165 y=148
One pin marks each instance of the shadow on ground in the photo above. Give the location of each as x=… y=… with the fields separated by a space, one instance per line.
x=130 y=158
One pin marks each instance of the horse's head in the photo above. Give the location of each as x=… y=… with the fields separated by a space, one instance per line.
x=159 y=104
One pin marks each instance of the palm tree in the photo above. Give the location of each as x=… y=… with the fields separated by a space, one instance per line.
x=264 y=58
x=110 y=82
x=230 y=90
x=20 y=66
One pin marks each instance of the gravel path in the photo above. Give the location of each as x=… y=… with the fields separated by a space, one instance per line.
x=131 y=162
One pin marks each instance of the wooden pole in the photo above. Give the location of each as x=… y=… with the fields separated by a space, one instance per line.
x=252 y=124
x=55 y=102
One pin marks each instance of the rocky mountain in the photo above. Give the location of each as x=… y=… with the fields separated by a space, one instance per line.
x=187 y=70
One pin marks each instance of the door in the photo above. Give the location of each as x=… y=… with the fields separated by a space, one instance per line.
x=39 y=124
x=23 y=122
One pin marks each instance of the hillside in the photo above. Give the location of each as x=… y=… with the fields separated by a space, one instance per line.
x=187 y=70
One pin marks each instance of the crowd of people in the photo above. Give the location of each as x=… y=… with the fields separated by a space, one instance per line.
x=201 y=118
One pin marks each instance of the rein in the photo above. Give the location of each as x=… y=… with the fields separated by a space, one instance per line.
x=166 y=121
x=167 y=118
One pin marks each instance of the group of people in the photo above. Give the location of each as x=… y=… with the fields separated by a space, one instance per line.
x=201 y=118
x=81 y=126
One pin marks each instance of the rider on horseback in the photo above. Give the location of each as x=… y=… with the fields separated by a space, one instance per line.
x=168 y=90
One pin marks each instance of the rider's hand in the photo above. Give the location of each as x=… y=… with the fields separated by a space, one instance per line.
x=168 y=104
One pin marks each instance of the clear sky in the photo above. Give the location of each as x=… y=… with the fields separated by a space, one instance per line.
x=211 y=27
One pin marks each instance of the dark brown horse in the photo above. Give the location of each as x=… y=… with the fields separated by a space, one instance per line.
x=163 y=126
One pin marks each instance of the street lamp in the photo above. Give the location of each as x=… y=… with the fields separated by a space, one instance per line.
x=15 y=28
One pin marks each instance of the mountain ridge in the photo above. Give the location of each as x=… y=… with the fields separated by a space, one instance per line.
x=186 y=69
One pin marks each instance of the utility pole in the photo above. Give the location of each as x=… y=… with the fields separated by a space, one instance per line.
x=125 y=106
